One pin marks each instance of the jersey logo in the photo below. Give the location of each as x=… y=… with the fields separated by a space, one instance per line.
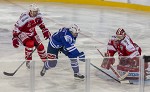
x=68 y=39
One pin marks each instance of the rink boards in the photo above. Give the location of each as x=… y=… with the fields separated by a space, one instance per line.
x=93 y=2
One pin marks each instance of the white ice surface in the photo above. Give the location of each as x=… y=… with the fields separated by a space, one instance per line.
x=97 y=24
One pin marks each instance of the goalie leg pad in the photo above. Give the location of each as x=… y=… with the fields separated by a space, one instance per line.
x=133 y=72
x=134 y=62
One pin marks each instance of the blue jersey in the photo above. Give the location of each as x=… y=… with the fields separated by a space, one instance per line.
x=64 y=38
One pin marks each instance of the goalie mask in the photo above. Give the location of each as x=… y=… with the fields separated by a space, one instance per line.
x=34 y=10
x=120 y=33
x=74 y=29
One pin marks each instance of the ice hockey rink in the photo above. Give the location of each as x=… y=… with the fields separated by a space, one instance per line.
x=97 y=24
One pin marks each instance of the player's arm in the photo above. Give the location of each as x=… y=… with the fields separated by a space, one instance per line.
x=16 y=32
x=15 y=41
x=111 y=50
x=45 y=31
x=138 y=48
x=108 y=59
x=132 y=53
x=72 y=50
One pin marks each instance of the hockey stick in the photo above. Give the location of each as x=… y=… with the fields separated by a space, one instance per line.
x=11 y=74
x=105 y=73
x=114 y=71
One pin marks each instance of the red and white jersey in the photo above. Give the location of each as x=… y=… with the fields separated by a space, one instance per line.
x=27 y=24
x=124 y=47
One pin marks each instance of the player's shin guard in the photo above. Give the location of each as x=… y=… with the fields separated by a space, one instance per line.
x=28 y=50
x=42 y=52
x=28 y=56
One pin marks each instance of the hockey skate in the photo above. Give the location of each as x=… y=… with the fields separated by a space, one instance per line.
x=28 y=64
x=42 y=73
x=79 y=76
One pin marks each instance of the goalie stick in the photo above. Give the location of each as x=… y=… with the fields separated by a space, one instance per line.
x=12 y=74
x=115 y=72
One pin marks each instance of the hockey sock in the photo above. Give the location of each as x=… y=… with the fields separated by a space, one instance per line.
x=75 y=67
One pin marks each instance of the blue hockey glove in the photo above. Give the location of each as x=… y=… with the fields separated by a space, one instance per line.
x=82 y=57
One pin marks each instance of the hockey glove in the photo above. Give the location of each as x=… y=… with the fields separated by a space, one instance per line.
x=134 y=62
x=15 y=42
x=46 y=33
x=107 y=62
x=82 y=57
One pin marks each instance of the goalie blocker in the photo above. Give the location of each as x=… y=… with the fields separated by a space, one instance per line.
x=125 y=65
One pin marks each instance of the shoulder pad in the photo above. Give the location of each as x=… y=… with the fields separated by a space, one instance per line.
x=113 y=38
x=39 y=15
x=24 y=15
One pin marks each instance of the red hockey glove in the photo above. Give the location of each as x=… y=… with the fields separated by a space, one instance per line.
x=46 y=33
x=134 y=62
x=15 y=42
x=15 y=33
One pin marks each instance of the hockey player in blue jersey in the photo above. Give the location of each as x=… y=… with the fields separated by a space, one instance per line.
x=64 y=41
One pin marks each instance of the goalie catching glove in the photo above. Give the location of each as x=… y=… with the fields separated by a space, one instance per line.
x=107 y=61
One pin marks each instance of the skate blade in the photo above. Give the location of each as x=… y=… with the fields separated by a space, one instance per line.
x=125 y=82
x=76 y=78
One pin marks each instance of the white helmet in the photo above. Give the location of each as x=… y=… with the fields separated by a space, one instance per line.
x=33 y=7
x=74 y=28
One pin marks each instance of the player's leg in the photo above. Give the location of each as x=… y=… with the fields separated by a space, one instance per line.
x=75 y=67
x=52 y=55
x=40 y=49
x=131 y=65
x=29 y=44
x=28 y=50
x=74 y=64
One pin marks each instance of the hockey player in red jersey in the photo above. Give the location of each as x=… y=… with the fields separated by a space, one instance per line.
x=25 y=33
x=128 y=51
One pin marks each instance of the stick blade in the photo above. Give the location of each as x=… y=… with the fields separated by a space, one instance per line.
x=124 y=76
x=125 y=82
x=8 y=74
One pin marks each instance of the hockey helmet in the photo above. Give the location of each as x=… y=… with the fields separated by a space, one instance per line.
x=33 y=7
x=120 y=33
x=34 y=10
x=74 y=28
